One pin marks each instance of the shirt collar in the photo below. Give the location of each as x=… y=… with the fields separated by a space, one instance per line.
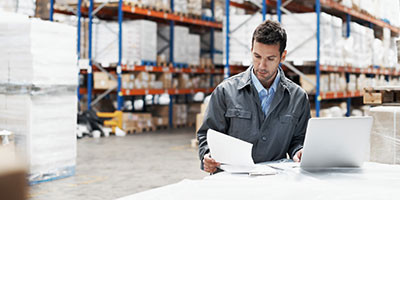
x=260 y=87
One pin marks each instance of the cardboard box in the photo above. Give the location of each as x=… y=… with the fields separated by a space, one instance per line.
x=128 y=81
x=379 y=95
x=199 y=121
x=101 y=81
x=13 y=176
x=203 y=107
x=160 y=121
x=166 y=79
x=160 y=110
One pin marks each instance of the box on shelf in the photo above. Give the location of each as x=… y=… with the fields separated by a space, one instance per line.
x=380 y=95
x=101 y=81
x=166 y=79
x=385 y=134
x=179 y=115
x=160 y=121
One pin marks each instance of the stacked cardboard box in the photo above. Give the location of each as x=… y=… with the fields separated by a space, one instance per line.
x=137 y=122
x=13 y=185
x=193 y=110
x=160 y=115
x=194 y=7
x=200 y=116
x=101 y=81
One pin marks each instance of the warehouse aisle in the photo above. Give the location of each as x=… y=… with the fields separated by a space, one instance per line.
x=113 y=167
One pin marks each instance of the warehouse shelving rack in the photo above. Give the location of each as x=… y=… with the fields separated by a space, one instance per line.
x=333 y=7
x=120 y=10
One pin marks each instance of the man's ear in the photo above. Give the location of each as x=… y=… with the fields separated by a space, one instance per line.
x=283 y=56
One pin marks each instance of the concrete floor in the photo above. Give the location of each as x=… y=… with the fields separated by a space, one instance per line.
x=113 y=167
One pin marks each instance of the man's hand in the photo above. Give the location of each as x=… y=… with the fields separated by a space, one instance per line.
x=297 y=156
x=210 y=165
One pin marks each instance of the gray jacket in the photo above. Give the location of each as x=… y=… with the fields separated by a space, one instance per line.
x=235 y=109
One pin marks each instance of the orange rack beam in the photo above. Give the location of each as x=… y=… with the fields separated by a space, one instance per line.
x=379 y=71
x=172 y=69
x=139 y=92
x=168 y=16
x=357 y=14
x=338 y=95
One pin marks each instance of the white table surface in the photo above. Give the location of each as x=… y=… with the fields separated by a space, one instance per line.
x=372 y=181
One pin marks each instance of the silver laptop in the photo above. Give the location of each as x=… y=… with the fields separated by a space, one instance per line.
x=336 y=143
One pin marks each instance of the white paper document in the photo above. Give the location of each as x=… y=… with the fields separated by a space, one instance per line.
x=234 y=154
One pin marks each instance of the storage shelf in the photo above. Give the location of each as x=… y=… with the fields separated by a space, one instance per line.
x=158 y=69
x=377 y=71
x=137 y=92
x=169 y=16
x=163 y=15
x=142 y=92
x=358 y=14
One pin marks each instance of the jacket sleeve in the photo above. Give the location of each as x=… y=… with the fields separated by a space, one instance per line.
x=300 y=130
x=214 y=118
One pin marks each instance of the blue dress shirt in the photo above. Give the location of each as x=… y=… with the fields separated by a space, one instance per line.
x=265 y=95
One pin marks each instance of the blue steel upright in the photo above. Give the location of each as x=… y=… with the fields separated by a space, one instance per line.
x=212 y=44
x=78 y=47
x=51 y=12
x=317 y=63
x=264 y=9
x=278 y=10
x=227 y=68
x=120 y=98
x=348 y=19
x=171 y=60
x=90 y=71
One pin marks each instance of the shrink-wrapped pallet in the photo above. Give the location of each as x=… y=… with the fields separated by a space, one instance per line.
x=36 y=52
x=385 y=135
x=44 y=124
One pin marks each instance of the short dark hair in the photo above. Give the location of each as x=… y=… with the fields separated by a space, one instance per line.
x=270 y=33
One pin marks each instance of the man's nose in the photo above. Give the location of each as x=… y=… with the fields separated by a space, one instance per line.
x=263 y=63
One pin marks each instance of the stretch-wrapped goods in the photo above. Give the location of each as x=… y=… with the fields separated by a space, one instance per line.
x=36 y=52
x=139 y=42
x=181 y=43
x=44 y=124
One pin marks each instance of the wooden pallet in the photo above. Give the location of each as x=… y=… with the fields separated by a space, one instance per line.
x=179 y=125
x=162 y=127
x=133 y=130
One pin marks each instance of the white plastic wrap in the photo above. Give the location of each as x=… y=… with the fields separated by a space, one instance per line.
x=240 y=37
x=372 y=181
x=181 y=43
x=385 y=135
x=194 y=49
x=44 y=124
x=36 y=52
x=139 y=42
x=25 y=7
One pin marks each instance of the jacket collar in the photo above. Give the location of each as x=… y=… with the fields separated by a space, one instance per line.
x=246 y=79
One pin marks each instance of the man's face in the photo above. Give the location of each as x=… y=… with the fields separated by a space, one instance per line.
x=266 y=59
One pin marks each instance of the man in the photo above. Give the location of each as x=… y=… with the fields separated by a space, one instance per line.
x=260 y=106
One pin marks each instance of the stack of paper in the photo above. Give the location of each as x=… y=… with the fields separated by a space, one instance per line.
x=234 y=154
